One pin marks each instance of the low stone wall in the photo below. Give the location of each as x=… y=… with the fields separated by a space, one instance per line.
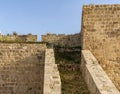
x=18 y=38
x=52 y=83
x=27 y=38
x=97 y=80
x=63 y=40
x=21 y=68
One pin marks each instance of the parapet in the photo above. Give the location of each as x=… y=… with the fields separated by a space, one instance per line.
x=97 y=80
x=73 y=40
x=18 y=38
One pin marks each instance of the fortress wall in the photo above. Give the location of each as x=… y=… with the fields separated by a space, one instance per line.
x=21 y=68
x=101 y=35
x=27 y=38
x=7 y=38
x=18 y=38
x=63 y=40
x=97 y=80
x=52 y=82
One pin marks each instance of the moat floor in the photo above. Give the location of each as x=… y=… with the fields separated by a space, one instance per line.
x=68 y=61
x=72 y=80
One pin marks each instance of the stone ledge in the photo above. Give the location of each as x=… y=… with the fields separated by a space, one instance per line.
x=52 y=82
x=97 y=80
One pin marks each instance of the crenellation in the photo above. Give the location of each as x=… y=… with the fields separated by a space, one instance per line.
x=18 y=38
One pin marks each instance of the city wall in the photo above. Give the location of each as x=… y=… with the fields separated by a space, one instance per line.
x=18 y=38
x=22 y=68
x=63 y=40
x=101 y=35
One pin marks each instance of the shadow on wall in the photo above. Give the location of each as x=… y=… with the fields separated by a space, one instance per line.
x=21 y=74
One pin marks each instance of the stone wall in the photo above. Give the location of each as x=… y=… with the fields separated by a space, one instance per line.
x=52 y=82
x=97 y=80
x=18 y=38
x=27 y=38
x=63 y=40
x=101 y=35
x=21 y=68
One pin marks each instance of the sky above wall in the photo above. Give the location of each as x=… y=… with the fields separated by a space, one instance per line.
x=44 y=16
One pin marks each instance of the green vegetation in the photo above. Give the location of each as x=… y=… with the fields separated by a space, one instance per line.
x=18 y=38
x=15 y=33
x=8 y=34
x=69 y=55
x=72 y=81
x=68 y=60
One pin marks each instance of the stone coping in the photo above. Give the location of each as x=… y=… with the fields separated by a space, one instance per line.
x=52 y=82
x=97 y=80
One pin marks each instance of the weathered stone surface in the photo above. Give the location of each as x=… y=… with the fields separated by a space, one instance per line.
x=101 y=35
x=63 y=40
x=18 y=38
x=21 y=68
x=97 y=80
x=52 y=82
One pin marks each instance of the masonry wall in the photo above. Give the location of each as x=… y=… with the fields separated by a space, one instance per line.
x=21 y=68
x=18 y=38
x=101 y=35
x=63 y=40
x=97 y=80
x=27 y=38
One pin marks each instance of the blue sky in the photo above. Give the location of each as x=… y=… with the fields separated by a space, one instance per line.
x=42 y=16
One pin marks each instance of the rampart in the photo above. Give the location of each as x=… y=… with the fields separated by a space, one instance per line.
x=21 y=68
x=101 y=35
x=18 y=38
x=63 y=40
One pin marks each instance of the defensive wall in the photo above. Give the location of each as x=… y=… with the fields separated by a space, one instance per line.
x=27 y=68
x=18 y=38
x=22 y=67
x=100 y=35
x=63 y=40
x=97 y=80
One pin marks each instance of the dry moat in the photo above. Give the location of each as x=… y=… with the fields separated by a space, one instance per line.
x=68 y=61
x=84 y=63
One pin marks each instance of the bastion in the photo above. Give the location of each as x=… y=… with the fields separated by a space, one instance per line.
x=101 y=35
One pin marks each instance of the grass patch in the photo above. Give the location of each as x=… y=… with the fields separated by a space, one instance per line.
x=71 y=57
x=68 y=61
